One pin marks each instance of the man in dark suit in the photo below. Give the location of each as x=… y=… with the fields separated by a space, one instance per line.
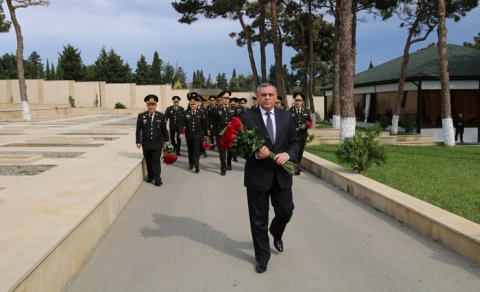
x=194 y=126
x=265 y=178
x=150 y=134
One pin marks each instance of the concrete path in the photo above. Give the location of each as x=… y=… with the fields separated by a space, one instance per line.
x=192 y=234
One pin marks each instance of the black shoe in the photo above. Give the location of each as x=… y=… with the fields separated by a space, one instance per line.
x=197 y=170
x=297 y=172
x=178 y=154
x=235 y=159
x=223 y=172
x=205 y=154
x=261 y=267
x=278 y=244
x=229 y=167
x=158 y=182
x=148 y=179
x=190 y=167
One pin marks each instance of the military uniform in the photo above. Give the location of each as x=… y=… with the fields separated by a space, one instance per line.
x=194 y=124
x=174 y=115
x=151 y=132
x=301 y=116
x=222 y=116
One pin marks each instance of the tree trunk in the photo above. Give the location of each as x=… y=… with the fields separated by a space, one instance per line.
x=277 y=52
x=336 y=70
x=249 y=45
x=447 y=123
x=311 y=74
x=347 y=74
x=261 y=29
x=401 y=82
x=21 y=71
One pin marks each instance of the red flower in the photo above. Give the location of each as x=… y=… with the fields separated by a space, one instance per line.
x=309 y=124
x=237 y=124
x=169 y=156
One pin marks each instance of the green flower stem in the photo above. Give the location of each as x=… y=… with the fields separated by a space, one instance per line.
x=289 y=166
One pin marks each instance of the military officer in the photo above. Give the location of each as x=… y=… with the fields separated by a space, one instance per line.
x=223 y=115
x=204 y=109
x=301 y=117
x=174 y=115
x=151 y=133
x=242 y=106
x=255 y=103
x=210 y=112
x=194 y=124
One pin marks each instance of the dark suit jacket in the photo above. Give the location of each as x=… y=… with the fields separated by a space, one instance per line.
x=151 y=134
x=260 y=173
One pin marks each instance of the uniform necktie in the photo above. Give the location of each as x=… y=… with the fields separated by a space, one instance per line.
x=270 y=127
x=151 y=118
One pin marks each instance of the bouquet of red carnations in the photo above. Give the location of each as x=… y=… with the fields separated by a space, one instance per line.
x=247 y=142
x=169 y=156
x=206 y=143
x=309 y=124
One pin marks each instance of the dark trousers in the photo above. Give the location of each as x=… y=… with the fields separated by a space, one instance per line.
x=152 y=160
x=175 y=139
x=225 y=156
x=258 y=205
x=459 y=131
x=193 y=146
x=301 y=149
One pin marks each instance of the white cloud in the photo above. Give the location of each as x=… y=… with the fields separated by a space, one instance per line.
x=133 y=28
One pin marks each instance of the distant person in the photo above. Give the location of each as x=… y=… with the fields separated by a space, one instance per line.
x=301 y=117
x=194 y=127
x=223 y=115
x=150 y=134
x=255 y=103
x=264 y=178
x=459 y=127
x=174 y=115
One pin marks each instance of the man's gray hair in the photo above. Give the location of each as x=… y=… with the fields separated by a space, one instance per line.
x=266 y=84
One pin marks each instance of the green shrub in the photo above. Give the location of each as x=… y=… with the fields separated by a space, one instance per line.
x=384 y=122
x=71 y=100
x=362 y=150
x=119 y=105
x=409 y=124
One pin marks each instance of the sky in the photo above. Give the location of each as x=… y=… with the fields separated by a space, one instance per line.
x=141 y=27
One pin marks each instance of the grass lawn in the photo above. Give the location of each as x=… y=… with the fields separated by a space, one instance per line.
x=447 y=177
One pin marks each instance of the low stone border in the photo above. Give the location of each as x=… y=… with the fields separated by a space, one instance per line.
x=455 y=232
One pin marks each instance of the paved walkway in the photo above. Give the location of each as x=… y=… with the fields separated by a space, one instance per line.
x=192 y=234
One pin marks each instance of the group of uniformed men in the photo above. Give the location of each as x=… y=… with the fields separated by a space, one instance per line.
x=197 y=124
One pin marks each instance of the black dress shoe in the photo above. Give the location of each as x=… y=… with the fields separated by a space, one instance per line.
x=297 y=172
x=261 y=267
x=278 y=244
x=197 y=170
x=158 y=182
x=149 y=179
x=190 y=167
x=223 y=172
x=235 y=159
x=205 y=154
x=229 y=167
